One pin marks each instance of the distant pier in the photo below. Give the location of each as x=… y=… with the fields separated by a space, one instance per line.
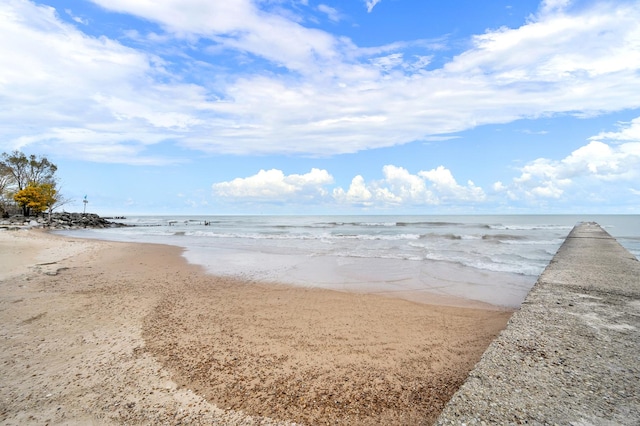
x=571 y=354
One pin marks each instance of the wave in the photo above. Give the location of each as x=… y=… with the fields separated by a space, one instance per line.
x=531 y=227
x=384 y=224
x=524 y=266
x=434 y=224
x=523 y=249
x=338 y=224
x=498 y=238
x=391 y=223
x=557 y=242
x=503 y=237
x=445 y=236
x=379 y=255
x=453 y=237
x=299 y=236
x=375 y=237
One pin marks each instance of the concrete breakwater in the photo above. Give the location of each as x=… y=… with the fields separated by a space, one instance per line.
x=571 y=354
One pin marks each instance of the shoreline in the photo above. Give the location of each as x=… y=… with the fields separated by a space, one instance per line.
x=432 y=282
x=110 y=332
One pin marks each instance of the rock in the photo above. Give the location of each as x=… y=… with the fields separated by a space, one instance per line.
x=62 y=220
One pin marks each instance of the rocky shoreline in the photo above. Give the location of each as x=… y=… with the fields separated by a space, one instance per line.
x=62 y=220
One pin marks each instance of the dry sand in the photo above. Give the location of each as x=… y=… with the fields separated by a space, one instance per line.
x=100 y=332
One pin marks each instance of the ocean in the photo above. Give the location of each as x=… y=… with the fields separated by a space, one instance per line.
x=486 y=259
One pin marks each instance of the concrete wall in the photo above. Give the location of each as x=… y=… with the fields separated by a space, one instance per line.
x=571 y=354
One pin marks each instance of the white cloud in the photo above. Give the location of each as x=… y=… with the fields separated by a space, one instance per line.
x=331 y=13
x=550 y=6
x=628 y=132
x=128 y=109
x=239 y=25
x=371 y=4
x=446 y=186
x=579 y=64
x=102 y=145
x=498 y=186
x=320 y=93
x=604 y=162
x=78 y=19
x=52 y=77
x=559 y=48
x=397 y=188
x=356 y=194
x=585 y=171
x=274 y=186
x=401 y=188
x=405 y=187
x=387 y=63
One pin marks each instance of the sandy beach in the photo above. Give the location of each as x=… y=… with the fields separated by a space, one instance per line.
x=98 y=332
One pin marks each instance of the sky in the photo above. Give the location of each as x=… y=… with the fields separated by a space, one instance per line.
x=327 y=107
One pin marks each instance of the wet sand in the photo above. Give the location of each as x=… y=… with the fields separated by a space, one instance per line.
x=111 y=333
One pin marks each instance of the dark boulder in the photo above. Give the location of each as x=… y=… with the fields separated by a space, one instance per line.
x=62 y=220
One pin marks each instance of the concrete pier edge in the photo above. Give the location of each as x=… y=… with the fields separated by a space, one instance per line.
x=571 y=354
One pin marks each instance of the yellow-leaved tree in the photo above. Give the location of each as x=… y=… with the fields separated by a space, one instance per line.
x=36 y=198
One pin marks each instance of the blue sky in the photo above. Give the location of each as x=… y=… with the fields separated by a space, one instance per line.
x=321 y=107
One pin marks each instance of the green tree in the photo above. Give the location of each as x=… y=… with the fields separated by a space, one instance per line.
x=25 y=170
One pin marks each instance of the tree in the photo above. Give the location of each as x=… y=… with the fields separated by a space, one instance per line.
x=34 y=197
x=53 y=197
x=19 y=172
x=50 y=196
x=25 y=170
x=5 y=184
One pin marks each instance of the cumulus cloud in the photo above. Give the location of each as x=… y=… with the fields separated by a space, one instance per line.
x=274 y=186
x=627 y=132
x=358 y=193
x=397 y=188
x=446 y=186
x=401 y=188
x=582 y=173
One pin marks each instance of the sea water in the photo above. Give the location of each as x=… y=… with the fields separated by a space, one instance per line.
x=488 y=259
